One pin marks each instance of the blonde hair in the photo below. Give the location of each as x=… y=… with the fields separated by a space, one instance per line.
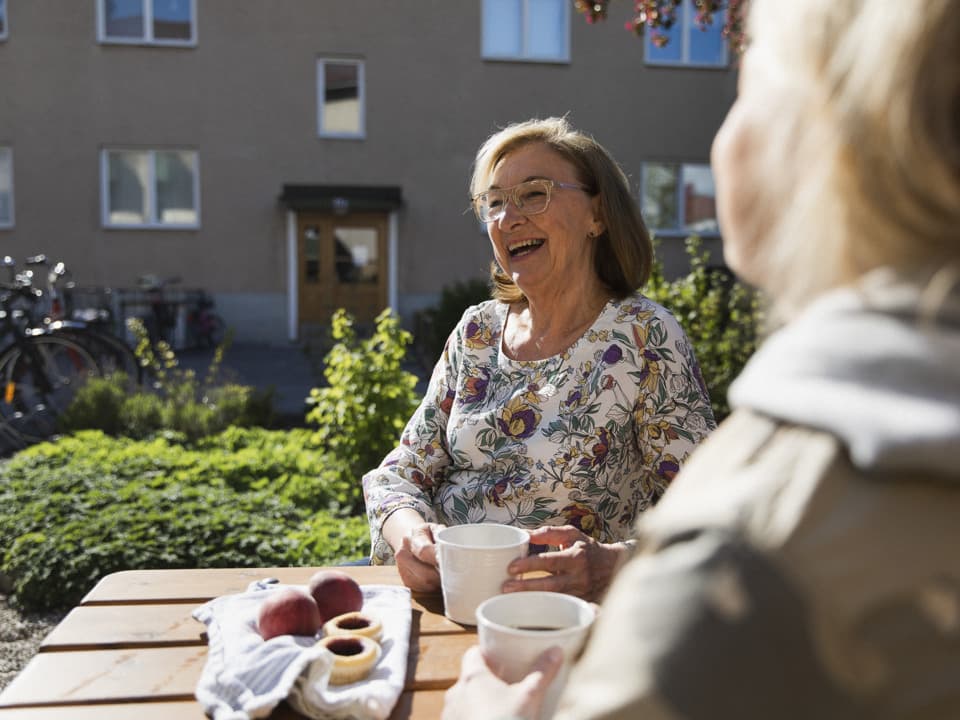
x=866 y=170
x=623 y=253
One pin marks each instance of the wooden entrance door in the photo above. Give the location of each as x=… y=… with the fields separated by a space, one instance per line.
x=342 y=264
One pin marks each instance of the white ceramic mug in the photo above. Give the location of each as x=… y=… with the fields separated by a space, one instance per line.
x=473 y=562
x=515 y=628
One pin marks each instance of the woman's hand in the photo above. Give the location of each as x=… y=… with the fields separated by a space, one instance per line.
x=480 y=694
x=582 y=567
x=414 y=549
x=417 y=558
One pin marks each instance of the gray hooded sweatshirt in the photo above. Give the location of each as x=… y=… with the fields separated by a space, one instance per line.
x=806 y=561
x=866 y=366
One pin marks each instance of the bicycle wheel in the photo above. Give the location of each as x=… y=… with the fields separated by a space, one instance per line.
x=111 y=354
x=39 y=378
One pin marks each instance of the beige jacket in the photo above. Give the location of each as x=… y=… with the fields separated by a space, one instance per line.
x=806 y=562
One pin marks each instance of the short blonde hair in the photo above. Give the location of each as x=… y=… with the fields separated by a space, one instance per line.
x=866 y=172
x=623 y=253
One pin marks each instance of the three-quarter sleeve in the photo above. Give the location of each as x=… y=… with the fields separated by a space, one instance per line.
x=672 y=414
x=409 y=474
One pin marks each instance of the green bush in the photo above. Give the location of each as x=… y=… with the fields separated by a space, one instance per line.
x=369 y=396
x=174 y=400
x=435 y=324
x=721 y=317
x=74 y=510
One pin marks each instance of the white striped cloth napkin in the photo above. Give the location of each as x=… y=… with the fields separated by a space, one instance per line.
x=247 y=677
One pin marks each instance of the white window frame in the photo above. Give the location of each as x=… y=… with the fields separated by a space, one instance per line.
x=152 y=222
x=147 y=37
x=679 y=230
x=525 y=55
x=9 y=223
x=361 y=132
x=5 y=28
x=688 y=26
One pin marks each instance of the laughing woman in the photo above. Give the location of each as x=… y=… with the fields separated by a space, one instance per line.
x=567 y=403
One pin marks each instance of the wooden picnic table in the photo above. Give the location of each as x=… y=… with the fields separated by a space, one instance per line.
x=132 y=650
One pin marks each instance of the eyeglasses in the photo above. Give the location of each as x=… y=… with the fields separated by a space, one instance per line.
x=530 y=198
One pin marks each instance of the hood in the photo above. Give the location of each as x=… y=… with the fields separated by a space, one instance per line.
x=866 y=365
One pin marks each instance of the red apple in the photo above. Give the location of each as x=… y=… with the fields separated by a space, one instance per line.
x=335 y=593
x=288 y=611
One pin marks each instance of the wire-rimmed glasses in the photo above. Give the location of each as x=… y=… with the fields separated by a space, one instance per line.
x=530 y=198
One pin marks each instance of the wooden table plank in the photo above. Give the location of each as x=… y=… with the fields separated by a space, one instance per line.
x=116 y=626
x=435 y=662
x=427 y=704
x=89 y=676
x=192 y=586
x=171 y=673
x=421 y=705
x=125 y=626
x=179 y=710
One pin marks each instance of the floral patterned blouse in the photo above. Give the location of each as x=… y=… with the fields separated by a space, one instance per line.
x=589 y=437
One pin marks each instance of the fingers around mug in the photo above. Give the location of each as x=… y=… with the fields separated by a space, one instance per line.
x=548 y=664
x=418 y=579
x=473 y=662
x=422 y=543
x=560 y=536
x=546 y=583
x=531 y=691
x=552 y=562
x=416 y=575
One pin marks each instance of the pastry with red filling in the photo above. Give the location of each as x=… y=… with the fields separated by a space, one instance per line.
x=354 y=623
x=353 y=657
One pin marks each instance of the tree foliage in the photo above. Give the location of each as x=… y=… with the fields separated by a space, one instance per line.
x=721 y=317
x=657 y=16
x=369 y=396
x=437 y=322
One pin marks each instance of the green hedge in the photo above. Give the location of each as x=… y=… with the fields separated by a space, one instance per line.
x=434 y=324
x=721 y=317
x=368 y=398
x=74 y=510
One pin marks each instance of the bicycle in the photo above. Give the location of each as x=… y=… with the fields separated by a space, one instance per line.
x=55 y=311
x=204 y=327
x=40 y=371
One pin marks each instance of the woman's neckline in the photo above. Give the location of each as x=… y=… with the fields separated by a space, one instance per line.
x=576 y=335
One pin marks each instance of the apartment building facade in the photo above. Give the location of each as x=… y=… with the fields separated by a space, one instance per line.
x=295 y=156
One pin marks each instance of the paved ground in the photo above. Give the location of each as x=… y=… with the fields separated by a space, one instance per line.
x=285 y=368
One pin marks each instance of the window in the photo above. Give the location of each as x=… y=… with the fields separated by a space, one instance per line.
x=688 y=43
x=533 y=30
x=340 y=98
x=355 y=256
x=3 y=19
x=150 y=188
x=6 y=187
x=150 y=22
x=679 y=199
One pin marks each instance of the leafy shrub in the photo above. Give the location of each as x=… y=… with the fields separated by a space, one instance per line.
x=175 y=399
x=436 y=323
x=369 y=396
x=74 y=510
x=721 y=317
